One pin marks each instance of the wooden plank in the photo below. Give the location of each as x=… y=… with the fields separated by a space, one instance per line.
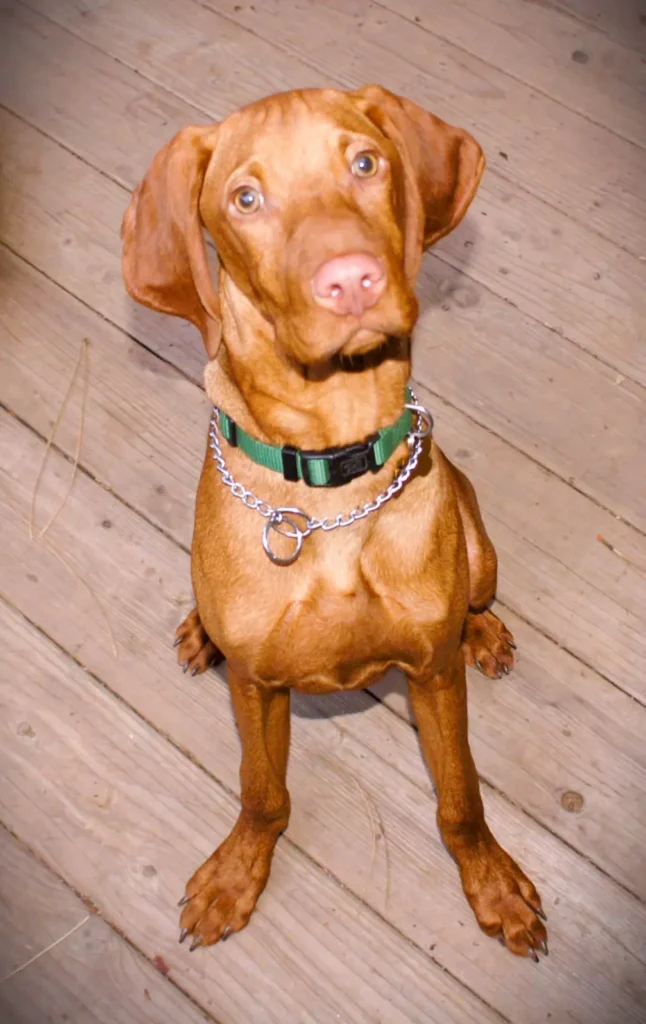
x=571 y=710
x=314 y=952
x=555 y=425
x=554 y=570
x=557 y=404
x=561 y=273
x=624 y=21
x=90 y=975
x=570 y=280
x=90 y=89
x=598 y=929
x=544 y=48
x=64 y=216
x=541 y=136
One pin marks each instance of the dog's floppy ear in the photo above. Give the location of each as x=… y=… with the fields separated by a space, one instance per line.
x=443 y=165
x=165 y=264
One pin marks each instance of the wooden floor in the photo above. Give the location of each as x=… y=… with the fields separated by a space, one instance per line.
x=119 y=774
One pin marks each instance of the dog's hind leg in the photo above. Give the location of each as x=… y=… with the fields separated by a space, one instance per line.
x=486 y=642
x=195 y=651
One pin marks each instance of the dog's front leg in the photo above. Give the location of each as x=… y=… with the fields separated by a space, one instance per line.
x=504 y=901
x=222 y=894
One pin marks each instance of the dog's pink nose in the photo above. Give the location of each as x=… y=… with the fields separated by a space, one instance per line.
x=349 y=284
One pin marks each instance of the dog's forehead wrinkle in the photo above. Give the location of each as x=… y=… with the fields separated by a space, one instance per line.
x=292 y=129
x=293 y=164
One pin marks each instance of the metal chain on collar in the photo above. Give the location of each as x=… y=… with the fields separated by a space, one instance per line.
x=283 y=520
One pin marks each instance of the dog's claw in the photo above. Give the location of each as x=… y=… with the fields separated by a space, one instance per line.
x=226 y=933
x=182 y=935
x=534 y=955
x=512 y=645
x=505 y=669
x=478 y=665
x=177 y=641
x=540 y=913
x=184 y=900
x=197 y=941
x=194 y=671
x=185 y=666
x=543 y=947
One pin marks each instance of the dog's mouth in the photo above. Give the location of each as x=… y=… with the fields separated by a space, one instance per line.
x=392 y=347
x=325 y=343
x=372 y=356
x=364 y=340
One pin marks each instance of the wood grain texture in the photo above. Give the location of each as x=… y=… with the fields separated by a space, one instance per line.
x=544 y=48
x=554 y=570
x=93 y=976
x=544 y=137
x=59 y=210
x=624 y=20
x=120 y=772
x=512 y=359
x=333 y=768
x=314 y=953
x=561 y=273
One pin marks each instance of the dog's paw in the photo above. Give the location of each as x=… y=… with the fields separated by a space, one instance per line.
x=195 y=652
x=222 y=894
x=488 y=644
x=504 y=901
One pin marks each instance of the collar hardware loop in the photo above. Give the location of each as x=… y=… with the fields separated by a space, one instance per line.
x=287 y=520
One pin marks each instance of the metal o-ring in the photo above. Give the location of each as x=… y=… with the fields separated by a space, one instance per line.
x=293 y=534
x=425 y=415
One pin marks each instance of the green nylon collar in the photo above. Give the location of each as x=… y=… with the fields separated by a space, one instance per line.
x=330 y=467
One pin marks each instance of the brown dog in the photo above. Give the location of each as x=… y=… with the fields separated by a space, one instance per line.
x=320 y=204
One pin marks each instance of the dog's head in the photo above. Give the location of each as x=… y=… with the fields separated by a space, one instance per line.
x=320 y=204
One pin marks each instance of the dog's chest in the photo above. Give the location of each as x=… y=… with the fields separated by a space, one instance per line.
x=389 y=590
x=341 y=625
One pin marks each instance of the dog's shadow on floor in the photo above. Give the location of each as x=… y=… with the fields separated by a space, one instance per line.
x=354 y=702
x=349 y=702
x=339 y=705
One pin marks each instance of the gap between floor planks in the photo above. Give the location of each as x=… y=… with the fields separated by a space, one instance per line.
x=472 y=90
x=622 y=21
x=575 y=714
x=472 y=329
x=328 y=773
x=392 y=694
x=49 y=307
x=314 y=950
x=546 y=50
x=556 y=247
x=55 y=953
x=602 y=629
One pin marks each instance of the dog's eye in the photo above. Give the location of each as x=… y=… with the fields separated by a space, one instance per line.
x=365 y=165
x=247 y=199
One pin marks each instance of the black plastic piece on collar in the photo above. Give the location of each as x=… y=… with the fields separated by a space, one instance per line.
x=343 y=464
x=290 y=462
x=233 y=433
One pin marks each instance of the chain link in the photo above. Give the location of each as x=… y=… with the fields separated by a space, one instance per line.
x=276 y=516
